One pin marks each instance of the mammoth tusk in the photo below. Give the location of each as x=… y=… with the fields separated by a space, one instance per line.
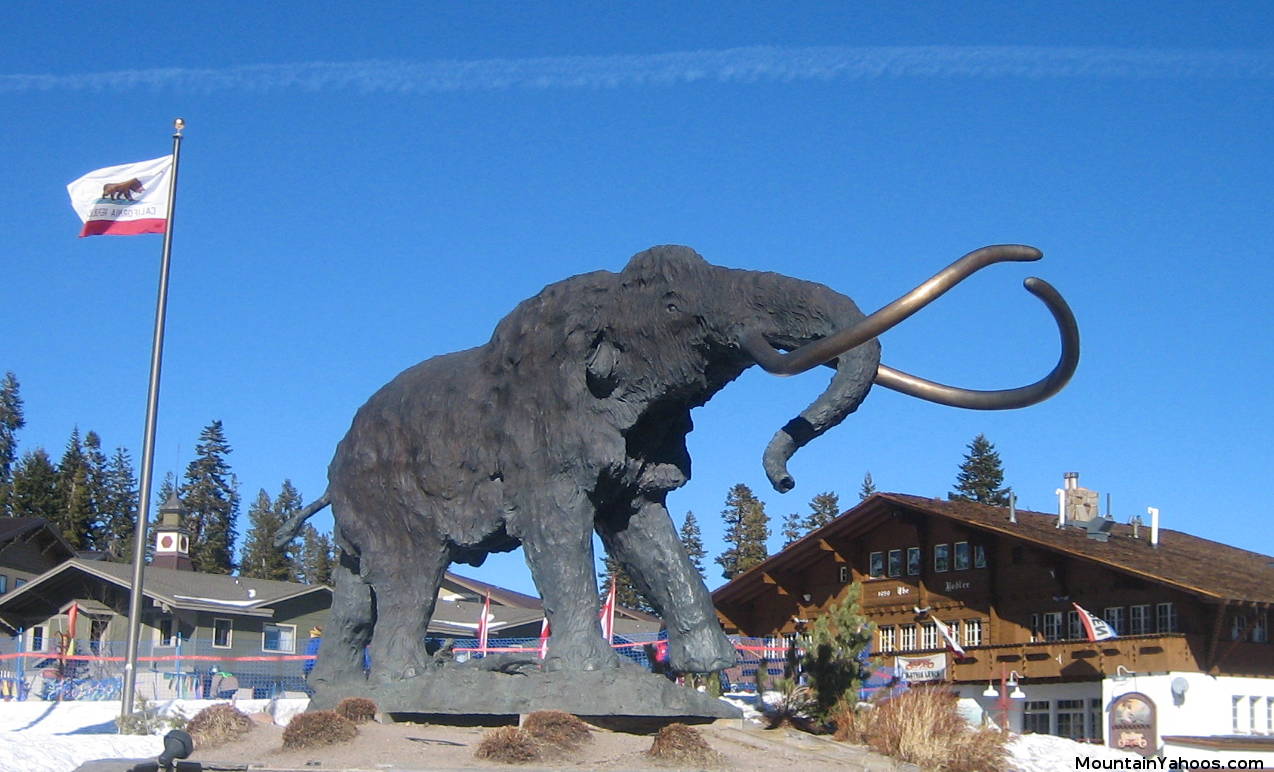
x=1002 y=399
x=826 y=349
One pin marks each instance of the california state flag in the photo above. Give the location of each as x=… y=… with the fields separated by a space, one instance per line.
x=124 y=200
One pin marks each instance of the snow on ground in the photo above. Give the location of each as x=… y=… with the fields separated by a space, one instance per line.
x=1046 y=753
x=59 y=736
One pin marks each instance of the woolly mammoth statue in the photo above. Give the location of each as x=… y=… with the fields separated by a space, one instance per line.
x=572 y=419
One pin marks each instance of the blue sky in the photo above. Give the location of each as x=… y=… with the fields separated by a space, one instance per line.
x=363 y=187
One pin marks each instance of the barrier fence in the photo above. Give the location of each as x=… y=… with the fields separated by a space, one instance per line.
x=196 y=670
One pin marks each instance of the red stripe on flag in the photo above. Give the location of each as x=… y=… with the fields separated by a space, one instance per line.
x=122 y=227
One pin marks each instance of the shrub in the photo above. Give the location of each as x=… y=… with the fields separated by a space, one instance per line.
x=321 y=727
x=557 y=730
x=218 y=724
x=360 y=710
x=147 y=720
x=681 y=745
x=509 y=744
x=924 y=728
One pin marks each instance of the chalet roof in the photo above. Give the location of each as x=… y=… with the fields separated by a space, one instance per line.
x=504 y=597
x=1213 y=571
x=176 y=589
x=15 y=528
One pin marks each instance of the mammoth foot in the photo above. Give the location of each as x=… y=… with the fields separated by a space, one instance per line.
x=701 y=650
x=586 y=654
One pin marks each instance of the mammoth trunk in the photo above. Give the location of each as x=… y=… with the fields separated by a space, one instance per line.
x=825 y=312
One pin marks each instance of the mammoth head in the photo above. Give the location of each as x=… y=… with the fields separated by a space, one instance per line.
x=711 y=323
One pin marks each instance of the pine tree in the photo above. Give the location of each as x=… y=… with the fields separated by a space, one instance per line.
x=76 y=519
x=626 y=593
x=793 y=528
x=692 y=541
x=118 y=510
x=981 y=475
x=211 y=499
x=834 y=646
x=35 y=487
x=316 y=558
x=824 y=508
x=747 y=528
x=261 y=559
x=96 y=464
x=11 y=421
x=868 y=488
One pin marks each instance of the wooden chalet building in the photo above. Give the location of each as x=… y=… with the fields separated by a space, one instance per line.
x=1192 y=661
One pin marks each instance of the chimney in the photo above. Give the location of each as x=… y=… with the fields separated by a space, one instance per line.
x=1077 y=505
x=1154 y=525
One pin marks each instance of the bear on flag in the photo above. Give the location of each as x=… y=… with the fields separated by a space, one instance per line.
x=124 y=200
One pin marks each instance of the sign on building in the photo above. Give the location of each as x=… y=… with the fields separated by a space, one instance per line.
x=916 y=669
x=1132 y=724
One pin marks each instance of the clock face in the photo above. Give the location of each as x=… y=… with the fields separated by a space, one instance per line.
x=185 y=544
x=166 y=541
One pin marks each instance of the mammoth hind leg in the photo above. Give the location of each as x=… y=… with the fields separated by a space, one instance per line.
x=405 y=579
x=349 y=626
x=647 y=545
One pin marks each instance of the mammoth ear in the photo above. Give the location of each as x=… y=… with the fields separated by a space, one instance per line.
x=602 y=364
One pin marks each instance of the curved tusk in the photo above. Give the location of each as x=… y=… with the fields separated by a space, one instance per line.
x=1002 y=399
x=826 y=349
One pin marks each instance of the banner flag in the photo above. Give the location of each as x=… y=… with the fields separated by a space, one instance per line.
x=544 y=637
x=1096 y=628
x=124 y=200
x=482 y=624
x=952 y=643
x=608 y=615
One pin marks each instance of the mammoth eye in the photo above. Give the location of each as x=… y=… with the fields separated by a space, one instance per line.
x=672 y=306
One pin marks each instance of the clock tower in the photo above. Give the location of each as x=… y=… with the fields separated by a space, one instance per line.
x=172 y=540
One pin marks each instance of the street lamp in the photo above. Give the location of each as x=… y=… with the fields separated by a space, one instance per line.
x=1004 y=696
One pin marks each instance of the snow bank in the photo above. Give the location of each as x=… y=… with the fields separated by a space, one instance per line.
x=1046 y=753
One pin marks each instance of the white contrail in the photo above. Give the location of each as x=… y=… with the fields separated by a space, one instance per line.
x=733 y=65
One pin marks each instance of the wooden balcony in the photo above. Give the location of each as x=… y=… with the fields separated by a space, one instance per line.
x=1082 y=660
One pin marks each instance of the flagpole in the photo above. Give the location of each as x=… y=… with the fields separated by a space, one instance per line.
x=148 y=443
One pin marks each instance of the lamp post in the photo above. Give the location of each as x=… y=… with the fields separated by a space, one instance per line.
x=1003 y=696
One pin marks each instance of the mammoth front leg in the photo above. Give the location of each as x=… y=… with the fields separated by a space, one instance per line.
x=559 y=552
x=648 y=547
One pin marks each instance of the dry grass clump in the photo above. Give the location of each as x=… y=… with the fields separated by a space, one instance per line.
x=218 y=724
x=360 y=710
x=923 y=727
x=321 y=727
x=508 y=744
x=557 y=730
x=681 y=745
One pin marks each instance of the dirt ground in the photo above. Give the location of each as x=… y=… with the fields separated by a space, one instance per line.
x=426 y=746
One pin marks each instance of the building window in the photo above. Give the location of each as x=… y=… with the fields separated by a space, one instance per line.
x=18 y=583
x=907 y=637
x=221 y=633
x=1167 y=617
x=895 y=562
x=1074 y=628
x=942 y=557
x=1269 y=715
x=1070 y=719
x=1253 y=714
x=1139 y=619
x=1114 y=616
x=973 y=632
x=887 y=639
x=36 y=639
x=4 y=584
x=279 y=638
x=1238 y=626
x=844 y=574
x=1095 y=719
x=929 y=636
x=1053 y=626
x=1236 y=714
x=961 y=556
x=979 y=556
x=1035 y=717
x=164 y=634
x=914 y=560
x=1037 y=632
x=876 y=565
x=1260 y=627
